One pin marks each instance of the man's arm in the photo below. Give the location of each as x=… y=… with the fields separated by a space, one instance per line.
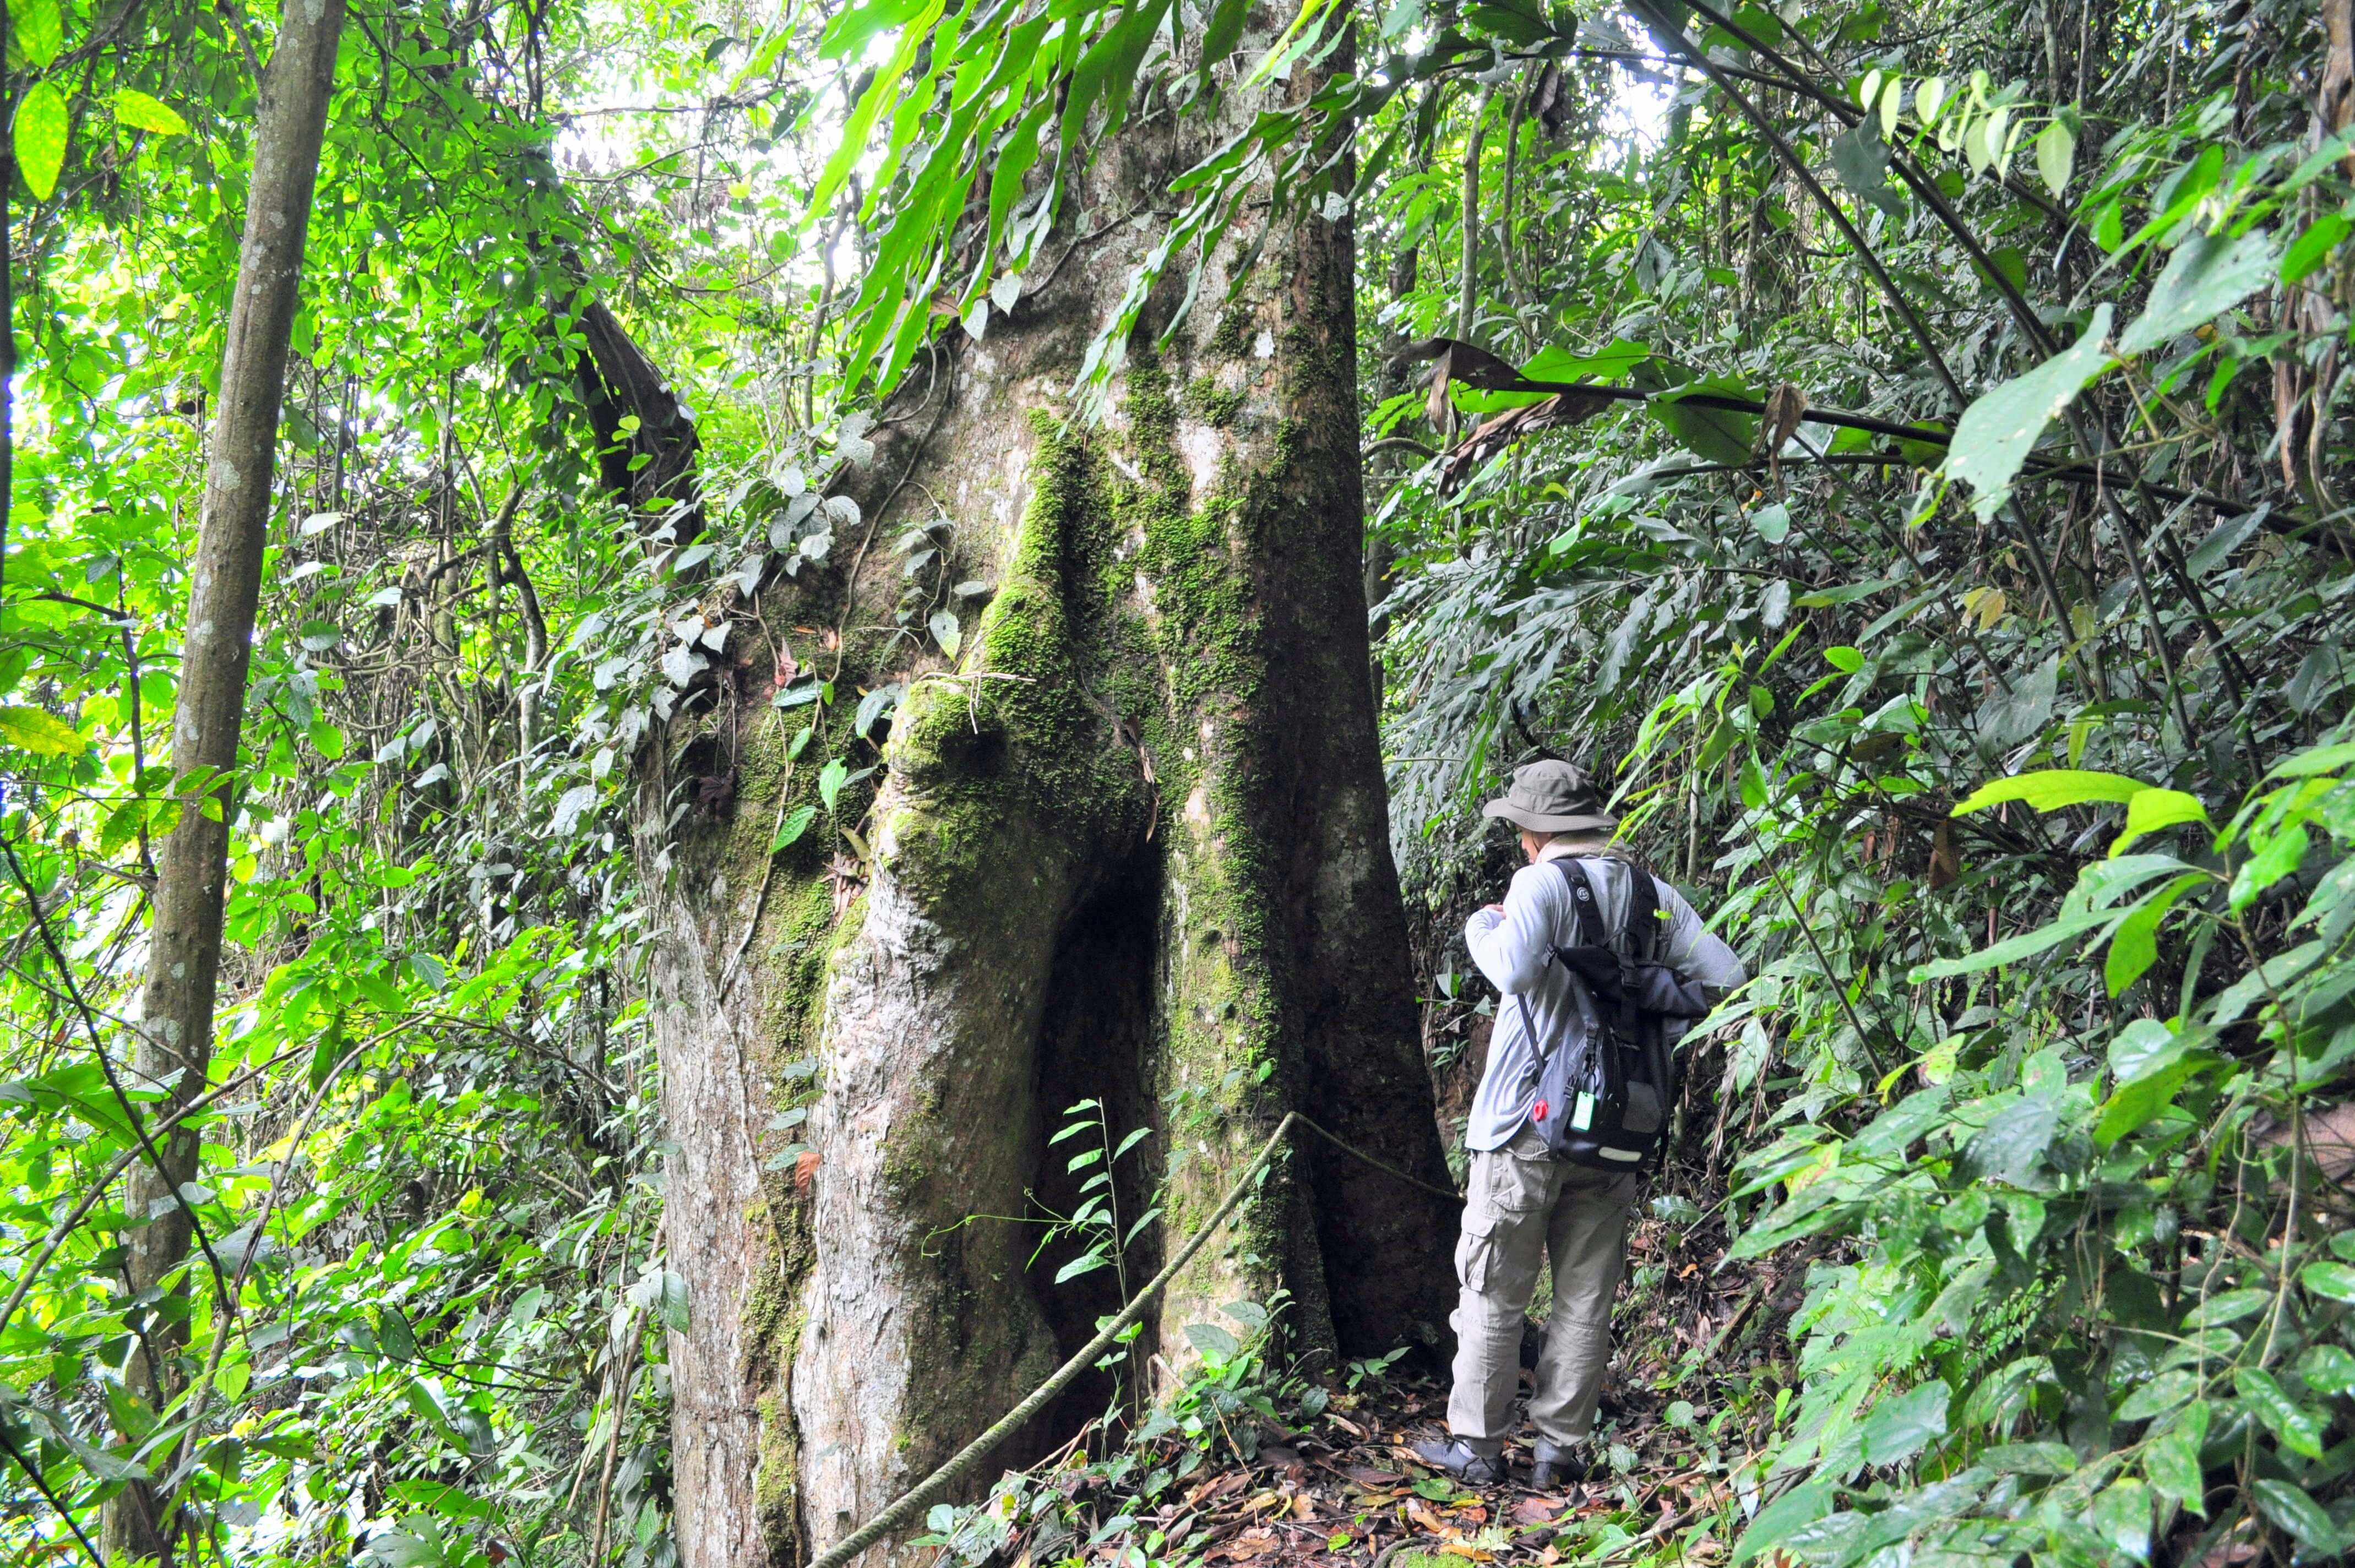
x=1511 y=942
x=1696 y=953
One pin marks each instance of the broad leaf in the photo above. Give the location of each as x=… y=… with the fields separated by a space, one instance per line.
x=40 y=29
x=2290 y=1506
x=2053 y=789
x=2208 y=273
x=142 y=112
x=1902 y=1426
x=41 y=123
x=1719 y=435
x=1997 y=430
x=39 y=732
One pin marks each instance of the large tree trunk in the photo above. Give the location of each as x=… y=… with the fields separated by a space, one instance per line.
x=1131 y=846
x=184 y=943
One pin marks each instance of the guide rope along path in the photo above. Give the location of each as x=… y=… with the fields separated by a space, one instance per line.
x=926 y=1491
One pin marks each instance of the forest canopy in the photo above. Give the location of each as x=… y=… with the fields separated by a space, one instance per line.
x=863 y=657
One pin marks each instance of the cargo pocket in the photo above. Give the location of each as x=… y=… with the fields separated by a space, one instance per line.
x=1645 y=1112
x=1476 y=1249
x=1514 y=1183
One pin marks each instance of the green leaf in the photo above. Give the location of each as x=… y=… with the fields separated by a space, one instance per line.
x=2208 y=273
x=2051 y=789
x=2280 y=856
x=2031 y=1458
x=2167 y=1391
x=1845 y=659
x=39 y=732
x=2010 y=1148
x=1861 y=158
x=393 y=1332
x=2328 y=1370
x=2134 y=946
x=2171 y=1461
x=1086 y=1263
x=1779 y=1519
x=830 y=780
x=2152 y=809
x=2288 y=1506
x=793 y=828
x=2319 y=760
x=142 y=112
x=1717 y=436
x=2137 y=1102
x=40 y=30
x=2335 y=1281
x=2122 y=1518
x=2228 y=1307
x=1901 y=1427
x=2313 y=247
x=2026 y=945
x=1214 y=1343
x=1999 y=428
x=41 y=121
x=2056 y=152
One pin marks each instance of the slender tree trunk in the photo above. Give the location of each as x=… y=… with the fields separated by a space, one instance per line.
x=1131 y=846
x=184 y=943
x=1467 y=301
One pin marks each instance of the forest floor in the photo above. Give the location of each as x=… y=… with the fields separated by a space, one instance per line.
x=1697 y=1363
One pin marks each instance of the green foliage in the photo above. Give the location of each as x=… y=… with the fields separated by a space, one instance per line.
x=2027 y=801
x=2018 y=795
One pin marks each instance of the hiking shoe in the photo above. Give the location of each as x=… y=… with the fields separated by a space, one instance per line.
x=1557 y=1465
x=1459 y=1459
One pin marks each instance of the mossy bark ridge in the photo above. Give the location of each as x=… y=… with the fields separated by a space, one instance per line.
x=1130 y=847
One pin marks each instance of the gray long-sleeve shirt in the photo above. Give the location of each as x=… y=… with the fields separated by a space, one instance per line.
x=1515 y=950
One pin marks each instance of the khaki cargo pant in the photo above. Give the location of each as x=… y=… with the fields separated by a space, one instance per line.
x=1521 y=1205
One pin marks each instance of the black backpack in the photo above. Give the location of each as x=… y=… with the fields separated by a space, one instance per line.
x=1604 y=1095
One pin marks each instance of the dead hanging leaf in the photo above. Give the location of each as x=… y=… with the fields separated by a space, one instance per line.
x=1561 y=409
x=1945 y=864
x=1468 y=363
x=1549 y=103
x=1787 y=405
x=805 y=1169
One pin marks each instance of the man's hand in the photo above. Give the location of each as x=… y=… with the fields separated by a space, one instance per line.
x=1494 y=909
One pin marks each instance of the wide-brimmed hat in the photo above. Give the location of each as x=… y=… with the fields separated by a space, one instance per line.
x=1552 y=797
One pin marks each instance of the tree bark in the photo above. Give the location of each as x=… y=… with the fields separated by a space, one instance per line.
x=184 y=942
x=1131 y=846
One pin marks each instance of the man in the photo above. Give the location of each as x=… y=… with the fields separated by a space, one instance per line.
x=1521 y=1202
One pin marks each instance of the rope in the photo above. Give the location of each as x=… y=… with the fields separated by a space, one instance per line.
x=961 y=1465
x=1450 y=1193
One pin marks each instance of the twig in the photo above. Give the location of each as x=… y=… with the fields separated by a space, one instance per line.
x=41 y=1485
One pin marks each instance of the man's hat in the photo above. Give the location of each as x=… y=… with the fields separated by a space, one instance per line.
x=1552 y=797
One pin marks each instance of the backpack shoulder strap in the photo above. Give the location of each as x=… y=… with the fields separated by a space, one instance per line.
x=1585 y=909
x=1640 y=935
